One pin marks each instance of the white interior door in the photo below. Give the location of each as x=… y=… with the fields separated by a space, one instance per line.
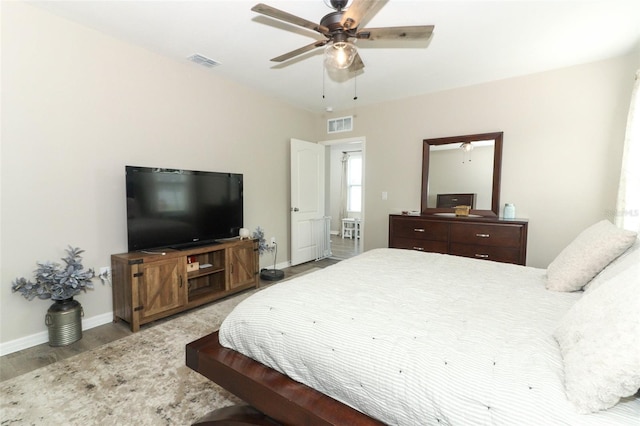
x=307 y=198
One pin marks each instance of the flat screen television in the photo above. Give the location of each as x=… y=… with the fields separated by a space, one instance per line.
x=173 y=208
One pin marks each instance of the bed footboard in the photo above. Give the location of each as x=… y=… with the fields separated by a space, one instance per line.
x=281 y=399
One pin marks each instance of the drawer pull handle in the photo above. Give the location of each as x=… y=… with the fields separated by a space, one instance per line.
x=482 y=235
x=482 y=256
x=418 y=248
x=418 y=229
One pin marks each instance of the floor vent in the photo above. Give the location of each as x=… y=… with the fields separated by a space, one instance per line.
x=203 y=60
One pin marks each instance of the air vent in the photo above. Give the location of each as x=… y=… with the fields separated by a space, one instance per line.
x=341 y=124
x=203 y=60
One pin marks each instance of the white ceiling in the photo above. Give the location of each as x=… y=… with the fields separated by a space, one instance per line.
x=473 y=42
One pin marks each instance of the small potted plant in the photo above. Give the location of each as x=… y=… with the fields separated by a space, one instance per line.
x=267 y=274
x=263 y=247
x=59 y=282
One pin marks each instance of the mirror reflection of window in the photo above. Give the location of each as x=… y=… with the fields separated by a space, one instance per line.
x=453 y=169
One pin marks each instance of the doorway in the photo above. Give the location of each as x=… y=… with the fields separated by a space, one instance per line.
x=344 y=195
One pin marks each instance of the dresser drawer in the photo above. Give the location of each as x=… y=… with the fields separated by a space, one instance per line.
x=497 y=254
x=498 y=240
x=487 y=235
x=419 y=244
x=418 y=229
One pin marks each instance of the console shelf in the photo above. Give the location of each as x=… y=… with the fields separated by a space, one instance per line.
x=204 y=272
x=206 y=293
x=147 y=286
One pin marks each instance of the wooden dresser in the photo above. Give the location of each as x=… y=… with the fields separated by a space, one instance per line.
x=500 y=240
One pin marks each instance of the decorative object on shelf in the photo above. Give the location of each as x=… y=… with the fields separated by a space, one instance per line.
x=509 y=211
x=462 y=210
x=59 y=283
x=244 y=233
x=192 y=263
x=267 y=274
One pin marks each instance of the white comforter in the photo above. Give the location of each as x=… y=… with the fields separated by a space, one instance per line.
x=416 y=338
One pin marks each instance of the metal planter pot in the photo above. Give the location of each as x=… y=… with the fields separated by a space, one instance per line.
x=64 y=321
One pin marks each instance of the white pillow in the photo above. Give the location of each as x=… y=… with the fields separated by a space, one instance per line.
x=600 y=343
x=592 y=250
x=627 y=259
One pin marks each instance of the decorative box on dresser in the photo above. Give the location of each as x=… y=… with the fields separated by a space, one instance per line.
x=497 y=239
x=151 y=285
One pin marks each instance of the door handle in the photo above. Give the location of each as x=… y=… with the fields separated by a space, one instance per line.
x=295 y=209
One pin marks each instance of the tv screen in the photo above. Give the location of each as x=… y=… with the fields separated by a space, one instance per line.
x=173 y=208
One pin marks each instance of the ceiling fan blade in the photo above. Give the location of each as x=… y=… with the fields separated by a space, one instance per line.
x=357 y=12
x=300 y=51
x=396 y=33
x=287 y=17
x=357 y=64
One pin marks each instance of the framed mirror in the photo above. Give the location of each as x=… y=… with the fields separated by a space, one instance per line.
x=462 y=170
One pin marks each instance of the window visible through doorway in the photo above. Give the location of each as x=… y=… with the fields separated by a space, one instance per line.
x=354 y=183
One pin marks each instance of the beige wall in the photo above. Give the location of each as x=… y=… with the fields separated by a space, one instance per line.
x=77 y=106
x=563 y=133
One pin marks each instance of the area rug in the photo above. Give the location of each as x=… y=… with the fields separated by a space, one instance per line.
x=141 y=379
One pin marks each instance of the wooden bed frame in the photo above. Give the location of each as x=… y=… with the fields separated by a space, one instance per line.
x=273 y=397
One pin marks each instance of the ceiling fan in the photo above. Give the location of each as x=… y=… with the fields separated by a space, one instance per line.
x=340 y=29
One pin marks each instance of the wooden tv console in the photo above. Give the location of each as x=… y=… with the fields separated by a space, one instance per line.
x=151 y=285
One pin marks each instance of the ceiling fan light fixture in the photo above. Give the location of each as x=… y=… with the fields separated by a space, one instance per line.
x=339 y=55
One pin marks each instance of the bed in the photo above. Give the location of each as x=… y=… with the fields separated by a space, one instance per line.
x=412 y=338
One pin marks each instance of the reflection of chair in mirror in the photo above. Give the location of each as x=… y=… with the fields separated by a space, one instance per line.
x=450 y=201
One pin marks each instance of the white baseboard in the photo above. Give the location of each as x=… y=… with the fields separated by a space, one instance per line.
x=87 y=323
x=43 y=337
x=23 y=343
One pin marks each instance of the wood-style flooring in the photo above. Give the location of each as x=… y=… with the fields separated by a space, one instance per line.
x=21 y=362
x=344 y=248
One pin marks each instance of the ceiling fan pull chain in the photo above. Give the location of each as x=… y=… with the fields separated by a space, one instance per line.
x=323 y=73
x=355 y=86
